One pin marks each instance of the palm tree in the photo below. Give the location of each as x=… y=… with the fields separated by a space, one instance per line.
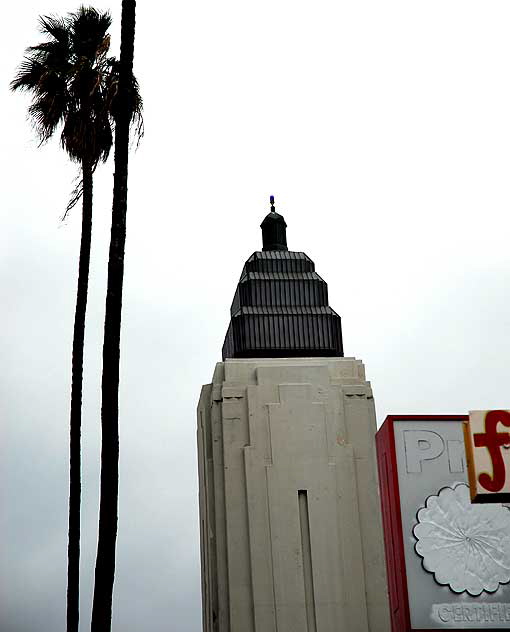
x=126 y=111
x=73 y=85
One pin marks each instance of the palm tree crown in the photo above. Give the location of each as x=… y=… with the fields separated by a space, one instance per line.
x=70 y=77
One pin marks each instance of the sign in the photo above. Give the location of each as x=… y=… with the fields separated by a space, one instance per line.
x=487 y=439
x=448 y=560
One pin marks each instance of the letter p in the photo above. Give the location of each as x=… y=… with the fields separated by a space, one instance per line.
x=421 y=445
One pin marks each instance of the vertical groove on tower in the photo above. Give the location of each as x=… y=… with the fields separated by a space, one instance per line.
x=306 y=551
x=271 y=552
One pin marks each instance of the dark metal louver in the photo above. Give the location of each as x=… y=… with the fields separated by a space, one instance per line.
x=280 y=308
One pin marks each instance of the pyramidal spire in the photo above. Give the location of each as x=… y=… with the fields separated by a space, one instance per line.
x=280 y=307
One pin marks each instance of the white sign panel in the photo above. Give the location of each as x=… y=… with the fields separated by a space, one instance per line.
x=457 y=555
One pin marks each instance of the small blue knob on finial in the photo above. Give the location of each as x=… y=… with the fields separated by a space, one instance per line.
x=271 y=201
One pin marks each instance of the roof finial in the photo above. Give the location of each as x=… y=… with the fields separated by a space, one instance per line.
x=273 y=230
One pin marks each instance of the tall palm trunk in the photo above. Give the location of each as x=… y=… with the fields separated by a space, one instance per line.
x=105 y=561
x=73 y=550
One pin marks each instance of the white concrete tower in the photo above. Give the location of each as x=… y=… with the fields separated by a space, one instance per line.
x=290 y=524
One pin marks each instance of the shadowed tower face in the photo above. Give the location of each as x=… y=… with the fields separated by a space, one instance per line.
x=290 y=526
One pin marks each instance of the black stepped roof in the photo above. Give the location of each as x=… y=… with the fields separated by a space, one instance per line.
x=280 y=288
x=279 y=261
x=280 y=307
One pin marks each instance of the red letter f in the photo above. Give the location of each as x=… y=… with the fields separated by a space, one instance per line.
x=493 y=441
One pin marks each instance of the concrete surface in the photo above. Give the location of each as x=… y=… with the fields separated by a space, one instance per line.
x=290 y=524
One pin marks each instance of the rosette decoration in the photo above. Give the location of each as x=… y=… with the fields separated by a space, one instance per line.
x=465 y=546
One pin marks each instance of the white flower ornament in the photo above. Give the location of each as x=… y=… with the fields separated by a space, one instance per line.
x=465 y=546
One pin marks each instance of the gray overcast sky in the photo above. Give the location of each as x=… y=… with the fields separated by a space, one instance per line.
x=383 y=130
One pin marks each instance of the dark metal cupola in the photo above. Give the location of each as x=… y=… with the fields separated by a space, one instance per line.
x=280 y=308
x=274 y=230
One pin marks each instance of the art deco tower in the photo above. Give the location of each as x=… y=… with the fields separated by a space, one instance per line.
x=290 y=525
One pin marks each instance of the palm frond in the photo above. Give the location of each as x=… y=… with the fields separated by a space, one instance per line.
x=103 y=48
x=131 y=103
x=54 y=55
x=75 y=136
x=137 y=111
x=28 y=75
x=75 y=197
x=47 y=113
x=103 y=139
x=88 y=28
x=54 y=26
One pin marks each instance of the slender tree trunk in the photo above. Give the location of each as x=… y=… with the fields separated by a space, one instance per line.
x=73 y=550
x=105 y=561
